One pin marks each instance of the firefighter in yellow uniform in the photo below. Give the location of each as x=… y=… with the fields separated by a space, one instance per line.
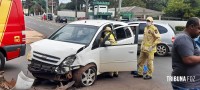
x=111 y=39
x=148 y=48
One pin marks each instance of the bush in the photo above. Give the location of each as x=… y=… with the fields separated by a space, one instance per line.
x=180 y=28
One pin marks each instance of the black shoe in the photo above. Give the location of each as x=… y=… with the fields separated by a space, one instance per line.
x=147 y=77
x=134 y=72
x=116 y=74
x=137 y=76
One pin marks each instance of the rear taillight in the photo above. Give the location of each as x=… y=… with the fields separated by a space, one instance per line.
x=23 y=37
x=173 y=38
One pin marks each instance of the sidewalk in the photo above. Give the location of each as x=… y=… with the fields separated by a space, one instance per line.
x=32 y=36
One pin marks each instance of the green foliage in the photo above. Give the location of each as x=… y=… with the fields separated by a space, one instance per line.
x=177 y=8
x=180 y=28
x=72 y=5
x=158 y=5
x=126 y=3
x=37 y=5
x=193 y=3
x=172 y=8
x=61 y=6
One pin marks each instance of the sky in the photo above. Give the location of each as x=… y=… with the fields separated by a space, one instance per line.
x=64 y=1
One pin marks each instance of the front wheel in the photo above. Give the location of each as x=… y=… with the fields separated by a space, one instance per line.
x=2 y=61
x=85 y=76
x=162 y=50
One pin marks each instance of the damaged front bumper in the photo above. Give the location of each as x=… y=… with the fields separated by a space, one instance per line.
x=48 y=71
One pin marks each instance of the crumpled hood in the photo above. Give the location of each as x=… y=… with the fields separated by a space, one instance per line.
x=56 y=48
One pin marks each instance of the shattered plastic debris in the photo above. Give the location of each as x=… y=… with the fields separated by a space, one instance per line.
x=23 y=82
x=65 y=87
x=6 y=85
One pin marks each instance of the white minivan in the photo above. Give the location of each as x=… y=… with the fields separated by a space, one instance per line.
x=75 y=52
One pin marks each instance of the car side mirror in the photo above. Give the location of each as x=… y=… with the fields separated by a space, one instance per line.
x=107 y=43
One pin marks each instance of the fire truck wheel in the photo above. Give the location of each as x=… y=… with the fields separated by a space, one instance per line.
x=85 y=76
x=2 y=61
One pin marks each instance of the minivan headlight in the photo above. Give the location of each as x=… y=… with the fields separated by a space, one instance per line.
x=69 y=60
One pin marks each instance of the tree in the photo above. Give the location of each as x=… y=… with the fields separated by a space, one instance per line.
x=35 y=6
x=139 y=3
x=177 y=8
x=62 y=6
x=158 y=5
x=193 y=3
x=71 y=5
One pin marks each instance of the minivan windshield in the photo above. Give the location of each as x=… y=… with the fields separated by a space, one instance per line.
x=75 y=33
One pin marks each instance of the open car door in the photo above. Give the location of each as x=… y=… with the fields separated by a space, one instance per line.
x=123 y=56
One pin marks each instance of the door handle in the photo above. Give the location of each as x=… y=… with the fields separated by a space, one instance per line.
x=131 y=51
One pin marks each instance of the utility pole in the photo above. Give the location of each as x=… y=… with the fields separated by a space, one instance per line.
x=86 y=8
x=76 y=11
x=46 y=9
x=119 y=9
x=115 y=5
x=52 y=7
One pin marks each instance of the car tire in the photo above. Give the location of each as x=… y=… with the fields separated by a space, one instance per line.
x=85 y=76
x=162 y=50
x=2 y=61
x=112 y=74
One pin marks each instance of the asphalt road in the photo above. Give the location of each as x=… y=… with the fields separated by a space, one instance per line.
x=125 y=81
x=44 y=27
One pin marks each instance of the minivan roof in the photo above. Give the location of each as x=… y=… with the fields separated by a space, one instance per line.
x=155 y=22
x=97 y=22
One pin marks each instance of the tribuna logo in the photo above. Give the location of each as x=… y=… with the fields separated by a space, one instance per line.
x=181 y=78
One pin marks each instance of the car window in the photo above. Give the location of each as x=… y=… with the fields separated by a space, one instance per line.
x=81 y=34
x=122 y=33
x=141 y=28
x=133 y=28
x=161 y=29
x=128 y=33
x=173 y=29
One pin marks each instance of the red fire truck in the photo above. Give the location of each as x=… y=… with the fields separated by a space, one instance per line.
x=12 y=27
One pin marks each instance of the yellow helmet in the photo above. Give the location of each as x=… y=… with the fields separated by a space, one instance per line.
x=108 y=29
x=150 y=19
